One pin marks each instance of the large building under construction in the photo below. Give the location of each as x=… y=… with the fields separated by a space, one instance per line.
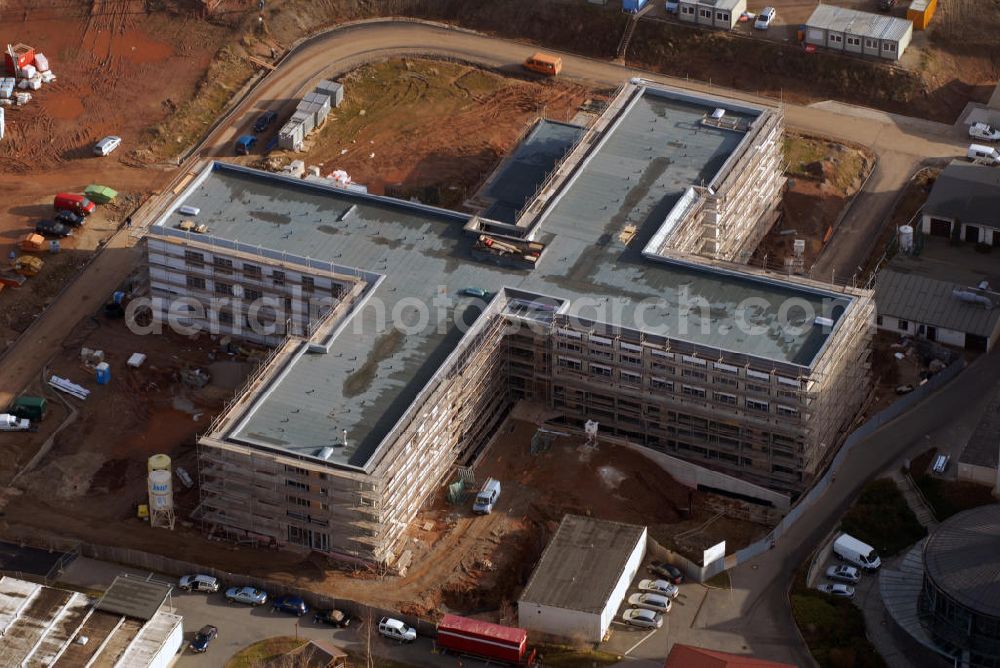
x=612 y=294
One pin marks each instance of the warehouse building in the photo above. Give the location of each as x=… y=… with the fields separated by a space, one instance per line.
x=713 y=13
x=964 y=203
x=859 y=33
x=582 y=578
x=131 y=626
x=377 y=392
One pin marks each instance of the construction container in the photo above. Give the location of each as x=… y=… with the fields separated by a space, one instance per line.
x=333 y=89
x=23 y=55
x=100 y=194
x=486 y=640
x=920 y=13
x=33 y=408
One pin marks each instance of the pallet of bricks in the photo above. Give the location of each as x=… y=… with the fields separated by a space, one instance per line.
x=310 y=113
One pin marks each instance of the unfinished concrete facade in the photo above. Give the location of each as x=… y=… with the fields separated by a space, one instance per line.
x=364 y=409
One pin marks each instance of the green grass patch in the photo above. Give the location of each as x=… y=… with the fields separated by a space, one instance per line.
x=833 y=628
x=948 y=497
x=566 y=656
x=256 y=654
x=818 y=159
x=881 y=518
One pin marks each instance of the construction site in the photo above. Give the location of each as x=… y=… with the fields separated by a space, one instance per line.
x=363 y=409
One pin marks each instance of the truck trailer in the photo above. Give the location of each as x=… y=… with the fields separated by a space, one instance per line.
x=472 y=637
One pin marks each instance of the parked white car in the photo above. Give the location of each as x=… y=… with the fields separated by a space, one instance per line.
x=842 y=590
x=765 y=18
x=394 y=629
x=848 y=574
x=984 y=131
x=659 y=587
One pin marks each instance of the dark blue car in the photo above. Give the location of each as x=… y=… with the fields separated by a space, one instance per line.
x=264 y=121
x=293 y=605
x=201 y=639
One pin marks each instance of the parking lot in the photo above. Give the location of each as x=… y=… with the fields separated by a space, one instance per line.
x=682 y=624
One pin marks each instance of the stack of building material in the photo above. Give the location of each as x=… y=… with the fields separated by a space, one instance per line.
x=310 y=113
x=69 y=387
x=7 y=87
x=333 y=90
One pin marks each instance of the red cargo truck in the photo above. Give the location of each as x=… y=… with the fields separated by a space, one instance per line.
x=462 y=635
x=72 y=202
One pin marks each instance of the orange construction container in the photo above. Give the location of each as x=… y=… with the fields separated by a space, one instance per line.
x=921 y=12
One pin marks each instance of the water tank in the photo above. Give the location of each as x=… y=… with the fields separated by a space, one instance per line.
x=158 y=463
x=906 y=238
x=161 y=492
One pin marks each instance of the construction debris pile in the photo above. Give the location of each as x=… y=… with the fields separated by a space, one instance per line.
x=25 y=70
x=310 y=114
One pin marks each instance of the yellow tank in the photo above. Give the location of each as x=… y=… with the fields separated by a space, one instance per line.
x=158 y=463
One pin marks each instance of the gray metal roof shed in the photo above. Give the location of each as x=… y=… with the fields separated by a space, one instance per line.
x=133 y=597
x=968 y=193
x=931 y=302
x=582 y=564
x=862 y=24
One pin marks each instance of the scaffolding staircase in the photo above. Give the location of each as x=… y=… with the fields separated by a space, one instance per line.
x=629 y=31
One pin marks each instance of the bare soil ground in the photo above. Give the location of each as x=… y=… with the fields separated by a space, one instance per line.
x=122 y=66
x=431 y=128
x=910 y=203
x=822 y=177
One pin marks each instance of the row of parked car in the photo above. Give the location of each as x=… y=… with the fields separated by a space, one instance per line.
x=252 y=596
x=655 y=596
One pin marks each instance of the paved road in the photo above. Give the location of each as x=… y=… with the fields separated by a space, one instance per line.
x=764 y=618
x=762 y=584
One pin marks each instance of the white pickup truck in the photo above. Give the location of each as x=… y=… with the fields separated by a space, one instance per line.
x=10 y=422
x=984 y=131
x=396 y=630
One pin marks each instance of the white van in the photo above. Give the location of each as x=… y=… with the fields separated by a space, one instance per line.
x=487 y=497
x=107 y=145
x=852 y=550
x=985 y=153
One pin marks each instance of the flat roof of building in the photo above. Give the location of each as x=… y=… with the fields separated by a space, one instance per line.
x=582 y=564
x=134 y=597
x=414 y=254
x=962 y=557
x=929 y=301
x=518 y=178
x=862 y=24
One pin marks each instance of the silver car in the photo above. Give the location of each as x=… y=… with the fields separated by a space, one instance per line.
x=107 y=145
x=654 y=602
x=659 y=587
x=248 y=595
x=848 y=574
x=204 y=583
x=841 y=590
x=646 y=619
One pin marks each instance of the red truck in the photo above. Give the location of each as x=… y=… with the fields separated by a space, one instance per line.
x=72 y=202
x=462 y=635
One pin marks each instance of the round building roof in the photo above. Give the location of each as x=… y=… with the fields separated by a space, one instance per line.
x=962 y=557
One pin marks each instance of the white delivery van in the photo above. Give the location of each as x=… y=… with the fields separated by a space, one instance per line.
x=853 y=551
x=984 y=153
x=487 y=497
